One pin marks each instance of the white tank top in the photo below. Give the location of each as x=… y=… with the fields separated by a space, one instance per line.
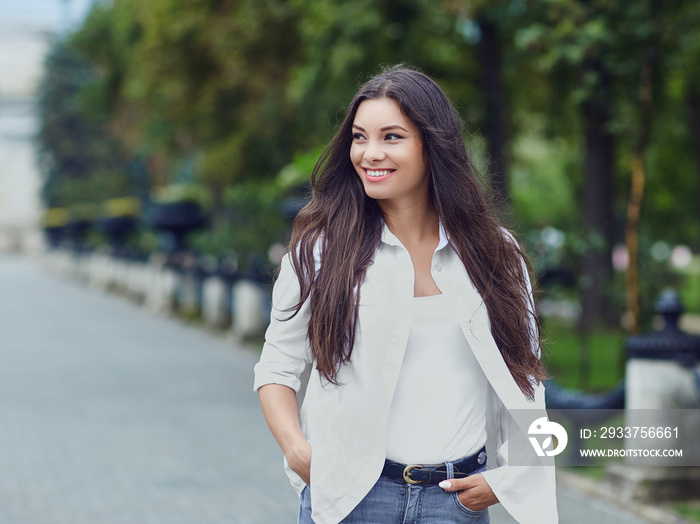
x=438 y=412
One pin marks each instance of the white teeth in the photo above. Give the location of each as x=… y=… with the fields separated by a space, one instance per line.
x=378 y=173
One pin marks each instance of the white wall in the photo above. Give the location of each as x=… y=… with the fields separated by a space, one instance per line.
x=23 y=48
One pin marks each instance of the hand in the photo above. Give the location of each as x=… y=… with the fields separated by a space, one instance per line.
x=474 y=491
x=299 y=460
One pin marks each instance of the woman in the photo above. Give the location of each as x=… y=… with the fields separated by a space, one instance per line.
x=411 y=309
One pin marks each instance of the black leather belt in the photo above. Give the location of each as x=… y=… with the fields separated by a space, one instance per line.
x=417 y=474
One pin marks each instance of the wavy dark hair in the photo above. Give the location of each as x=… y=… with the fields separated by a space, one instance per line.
x=349 y=224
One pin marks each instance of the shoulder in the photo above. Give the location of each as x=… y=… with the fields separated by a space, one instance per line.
x=509 y=236
x=317 y=252
x=318 y=249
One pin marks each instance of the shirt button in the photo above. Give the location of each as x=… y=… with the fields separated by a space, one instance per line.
x=438 y=267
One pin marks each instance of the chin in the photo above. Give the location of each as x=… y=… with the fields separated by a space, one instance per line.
x=374 y=194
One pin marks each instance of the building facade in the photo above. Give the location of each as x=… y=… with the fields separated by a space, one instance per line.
x=23 y=48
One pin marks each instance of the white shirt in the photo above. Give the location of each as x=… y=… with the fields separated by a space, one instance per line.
x=438 y=413
x=346 y=424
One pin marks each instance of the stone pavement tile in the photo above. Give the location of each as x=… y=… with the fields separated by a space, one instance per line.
x=111 y=415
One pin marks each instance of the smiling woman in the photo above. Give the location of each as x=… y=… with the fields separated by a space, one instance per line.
x=387 y=153
x=411 y=308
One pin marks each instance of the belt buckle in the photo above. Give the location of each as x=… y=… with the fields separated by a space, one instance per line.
x=407 y=474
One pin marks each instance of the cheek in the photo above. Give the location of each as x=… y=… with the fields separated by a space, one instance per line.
x=355 y=156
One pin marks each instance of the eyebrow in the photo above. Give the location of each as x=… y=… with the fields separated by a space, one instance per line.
x=385 y=128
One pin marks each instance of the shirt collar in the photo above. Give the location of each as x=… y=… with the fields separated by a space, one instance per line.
x=389 y=238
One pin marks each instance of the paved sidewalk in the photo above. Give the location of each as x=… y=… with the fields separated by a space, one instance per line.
x=110 y=415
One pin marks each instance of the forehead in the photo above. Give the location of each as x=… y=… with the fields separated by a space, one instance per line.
x=381 y=112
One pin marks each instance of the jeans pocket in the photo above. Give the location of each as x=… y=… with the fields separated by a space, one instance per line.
x=455 y=496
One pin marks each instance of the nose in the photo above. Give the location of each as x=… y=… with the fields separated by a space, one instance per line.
x=374 y=151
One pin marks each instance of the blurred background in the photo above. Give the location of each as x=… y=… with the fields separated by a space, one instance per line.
x=160 y=150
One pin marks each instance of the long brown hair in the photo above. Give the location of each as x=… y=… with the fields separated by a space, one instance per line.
x=348 y=224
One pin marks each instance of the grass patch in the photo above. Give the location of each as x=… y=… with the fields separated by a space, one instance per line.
x=189 y=316
x=690 y=291
x=593 y=472
x=565 y=356
x=688 y=509
x=254 y=341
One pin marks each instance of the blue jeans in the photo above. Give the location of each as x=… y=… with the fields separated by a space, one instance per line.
x=396 y=502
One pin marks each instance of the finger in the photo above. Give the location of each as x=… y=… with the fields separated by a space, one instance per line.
x=458 y=484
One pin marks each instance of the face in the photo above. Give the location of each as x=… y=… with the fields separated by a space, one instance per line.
x=387 y=153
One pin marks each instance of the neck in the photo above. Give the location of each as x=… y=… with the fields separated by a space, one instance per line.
x=412 y=223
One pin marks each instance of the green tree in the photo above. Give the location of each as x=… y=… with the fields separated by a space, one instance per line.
x=198 y=83
x=80 y=160
x=240 y=87
x=599 y=55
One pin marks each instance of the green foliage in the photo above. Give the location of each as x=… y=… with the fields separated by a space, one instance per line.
x=690 y=287
x=544 y=180
x=582 y=42
x=209 y=77
x=298 y=171
x=144 y=242
x=94 y=186
x=670 y=210
x=343 y=43
x=55 y=217
x=245 y=85
x=83 y=211
x=121 y=207
x=182 y=193
x=80 y=159
x=250 y=222
x=562 y=353
x=688 y=509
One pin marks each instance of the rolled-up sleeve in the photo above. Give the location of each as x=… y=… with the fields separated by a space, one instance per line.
x=285 y=353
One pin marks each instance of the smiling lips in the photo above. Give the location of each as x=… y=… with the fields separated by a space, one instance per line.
x=376 y=175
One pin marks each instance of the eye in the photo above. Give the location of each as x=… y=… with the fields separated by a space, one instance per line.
x=358 y=136
x=393 y=136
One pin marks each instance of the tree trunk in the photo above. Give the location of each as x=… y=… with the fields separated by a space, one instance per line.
x=693 y=101
x=598 y=203
x=632 y=242
x=637 y=189
x=493 y=91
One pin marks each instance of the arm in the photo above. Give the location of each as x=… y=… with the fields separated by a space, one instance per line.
x=278 y=374
x=279 y=405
